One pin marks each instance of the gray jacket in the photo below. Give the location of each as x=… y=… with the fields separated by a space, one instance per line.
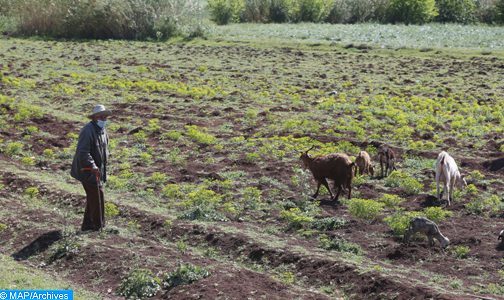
x=92 y=152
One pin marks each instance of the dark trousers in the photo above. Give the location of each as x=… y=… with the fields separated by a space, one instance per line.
x=94 y=217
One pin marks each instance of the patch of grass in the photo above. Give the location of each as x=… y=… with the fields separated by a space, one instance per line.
x=15 y=275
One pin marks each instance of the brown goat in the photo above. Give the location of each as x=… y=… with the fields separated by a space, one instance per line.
x=363 y=164
x=337 y=167
x=387 y=157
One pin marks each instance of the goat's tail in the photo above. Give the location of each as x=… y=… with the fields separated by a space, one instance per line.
x=442 y=161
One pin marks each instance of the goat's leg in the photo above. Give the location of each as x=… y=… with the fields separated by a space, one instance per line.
x=318 y=188
x=338 y=193
x=381 y=168
x=452 y=188
x=437 y=187
x=407 y=236
x=446 y=190
x=324 y=182
x=431 y=240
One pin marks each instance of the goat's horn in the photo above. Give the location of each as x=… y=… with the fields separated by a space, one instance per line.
x=310 y=148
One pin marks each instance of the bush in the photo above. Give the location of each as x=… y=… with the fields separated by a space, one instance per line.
x=365 y=209
x=460 y=11
x=223 y=12
x=2 y=227
x=279 y=11
x=461 y=251
x=339 y=245
x=257 y=11
x=500 y=11
x=139 y=284
x=400 y=179
x=355 y=11
x=327 y=224
x=399 y=222
x=412 y=11
x=104 y=19
x=391 y=201
x=311 y=10
x=184 y=274
x=487 y=11
x=485 y=206
x=296 y=218
x=437 y=214
x=111 y=210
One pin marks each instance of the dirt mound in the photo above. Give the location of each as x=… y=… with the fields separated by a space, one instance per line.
x=494 y=165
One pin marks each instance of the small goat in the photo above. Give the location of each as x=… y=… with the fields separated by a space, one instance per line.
x=429 y=228
x=363 y=164
x=387 y=157
x=501 y=236
x=448 y=173
x=337 y=167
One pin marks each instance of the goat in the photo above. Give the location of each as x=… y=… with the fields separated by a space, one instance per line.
x=448 y=173
x=336 y=166
x=501 y=236
x=363 y=164
x=387 y=157
x=429 y=228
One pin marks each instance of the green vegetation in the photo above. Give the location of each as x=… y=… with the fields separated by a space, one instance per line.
x=103 y=19
x=139 y=284
x=461 y=251
x=339 y=245
x=364 y=208
x=184 y=274
x=346 y=11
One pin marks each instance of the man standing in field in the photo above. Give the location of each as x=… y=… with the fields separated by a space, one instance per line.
x=89 y=166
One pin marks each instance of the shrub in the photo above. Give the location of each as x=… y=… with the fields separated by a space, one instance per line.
x=399 y=222
x=14 y=148
x=28 y=160
x=257 y=11
x=158 y=178
x=437 y=214
x=327 y=224
x=486 y=206
x=487 y=11
x=296 y=218
x=103 y=19
x=48 y=153
x=311 y=10
x=500 y=11
x=184 y=274
x=461 y=251
x=279 y=11
x=412 y=11
x=365 y=209
x=199 y=135
x=32 y=192
x=65 y=248
x=391 y=201
x=139 y=284
x=224 y=11
x=111 y=210
x=173 y=135
x=460 y=11
x=339 y=245
x=400 y=179
x=2 y=227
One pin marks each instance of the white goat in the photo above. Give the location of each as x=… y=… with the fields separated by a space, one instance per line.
x=448 y=173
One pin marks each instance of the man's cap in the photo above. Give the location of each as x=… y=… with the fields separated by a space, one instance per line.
x=100 y=110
